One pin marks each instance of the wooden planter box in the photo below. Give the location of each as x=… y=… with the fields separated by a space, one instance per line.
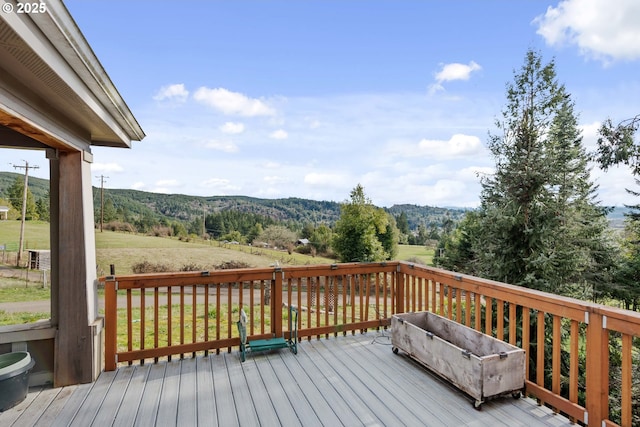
x=478 y=364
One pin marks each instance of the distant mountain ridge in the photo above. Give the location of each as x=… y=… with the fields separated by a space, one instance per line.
x=186 y=208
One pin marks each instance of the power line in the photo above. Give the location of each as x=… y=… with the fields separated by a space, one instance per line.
x=102 y=177
x=26 y=168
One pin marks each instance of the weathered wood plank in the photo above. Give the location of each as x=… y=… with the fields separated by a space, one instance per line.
x=111 y=403
x=132 y=397
x=150 y=400
x=207 y=415
x=387 y=403
x=188 y=398
x=296 y=396
x=259 y=394
x=350 y=406
x=276 y=393
x=307 y=382
x=350 y=387
x=38 y=406
x=225 y=405
x=168 y=409
x=89 y=407
x=55 y=406
x=245 y=408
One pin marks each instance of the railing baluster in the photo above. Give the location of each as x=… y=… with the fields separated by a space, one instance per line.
x=488 y=316
x=478 y=311
x=626 y=384
x=194 y=317
x=229 y=312
x=555 y=355
x=169 y=319
x=512 y=323
x=142 y=321
x=181 y=318
x=526 y=338
x=156 y=320
x=206 y=315
x=129 y=323
x=540 y=348
x=500 y=319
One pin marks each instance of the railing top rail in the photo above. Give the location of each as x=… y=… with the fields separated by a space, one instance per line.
x=551 y=303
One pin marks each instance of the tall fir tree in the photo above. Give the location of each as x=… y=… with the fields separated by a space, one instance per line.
x=541 y=226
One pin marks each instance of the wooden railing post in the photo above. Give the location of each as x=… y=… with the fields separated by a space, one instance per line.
x=597 y=370
x=110 y=333
x=276 y=302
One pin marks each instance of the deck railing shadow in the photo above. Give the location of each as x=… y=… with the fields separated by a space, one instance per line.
x=567 y=340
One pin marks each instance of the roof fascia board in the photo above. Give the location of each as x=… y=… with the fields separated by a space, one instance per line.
x=41 y=44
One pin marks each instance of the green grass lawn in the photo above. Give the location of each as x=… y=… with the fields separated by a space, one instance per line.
x=415 y=252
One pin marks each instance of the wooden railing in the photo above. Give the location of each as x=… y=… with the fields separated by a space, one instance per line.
x=168 y=315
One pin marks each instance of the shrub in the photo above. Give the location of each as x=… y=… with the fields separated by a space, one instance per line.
x=149 y=267
x=227 y=265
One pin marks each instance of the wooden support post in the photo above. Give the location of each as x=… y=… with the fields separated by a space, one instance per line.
x=78 y=341
x=597 y=371
x=110 y=313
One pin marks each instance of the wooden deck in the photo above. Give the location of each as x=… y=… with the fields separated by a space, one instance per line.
x=351 y=381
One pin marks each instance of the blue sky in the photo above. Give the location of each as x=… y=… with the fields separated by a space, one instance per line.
x=307 y=99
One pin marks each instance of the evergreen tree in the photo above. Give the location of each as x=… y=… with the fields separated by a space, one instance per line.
x=43 y=209
x=16 y=197
x=358 y=229
x=541 y=226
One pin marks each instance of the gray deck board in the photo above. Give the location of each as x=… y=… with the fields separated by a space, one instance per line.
x=150 y=402
x=351 y=380
x=206 y=399
x=188 y=393
x=126 y=415
x=112 y=402
x=168 y=408
x=53 y=409
x=276 y=392
x=245 y=408
x=264 y=408
x=225 y=405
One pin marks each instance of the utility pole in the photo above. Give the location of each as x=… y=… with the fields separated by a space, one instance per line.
x=102 y=177
x=26 y=168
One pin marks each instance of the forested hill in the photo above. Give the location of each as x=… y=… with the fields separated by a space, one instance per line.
x=187 y=208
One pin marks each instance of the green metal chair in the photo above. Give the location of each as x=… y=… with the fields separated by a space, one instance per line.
x=269 y=343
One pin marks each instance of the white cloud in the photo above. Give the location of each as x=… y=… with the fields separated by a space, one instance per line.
x=451 y=72
x=232 y=102
x=106 y=167
x=220 y=185
x=275 y=180
x=138 y=185
x=167 y=183
x=279 y=134
x=232 y=128
x=601 y=30
x=176 y=92
x=590 y=135
x=225 y=146
x=325 y=179
x=458 y=146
